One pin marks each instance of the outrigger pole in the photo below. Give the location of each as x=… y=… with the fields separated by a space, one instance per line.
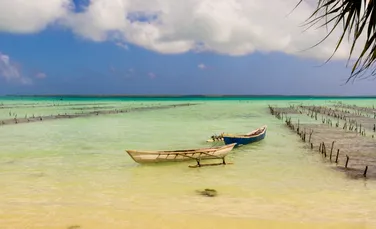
x=198 y=160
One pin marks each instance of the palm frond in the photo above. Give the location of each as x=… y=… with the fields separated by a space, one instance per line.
x=357 y=17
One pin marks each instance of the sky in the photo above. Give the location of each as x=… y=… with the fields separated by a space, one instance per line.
x=169 y=47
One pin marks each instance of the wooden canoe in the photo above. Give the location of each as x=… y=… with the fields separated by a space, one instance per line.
x=254 y=136
x=144 y=156
x=216 y=138
x=219 y=138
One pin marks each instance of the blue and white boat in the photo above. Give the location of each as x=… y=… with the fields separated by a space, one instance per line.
x=251 y=137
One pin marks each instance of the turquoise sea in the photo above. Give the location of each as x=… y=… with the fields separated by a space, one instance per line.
x=75 y=173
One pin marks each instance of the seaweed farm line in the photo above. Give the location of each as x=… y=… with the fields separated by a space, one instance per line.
x=343 y=137
x=96 y=111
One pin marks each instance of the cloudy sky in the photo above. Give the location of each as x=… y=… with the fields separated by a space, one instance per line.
x=168 y=47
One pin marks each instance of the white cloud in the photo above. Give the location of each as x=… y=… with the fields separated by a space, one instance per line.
x=25 y=16
x=122 y=45
x=232 y=27
x=11 y=72
x=41 y=75
x=152 y=75
x=202 y=66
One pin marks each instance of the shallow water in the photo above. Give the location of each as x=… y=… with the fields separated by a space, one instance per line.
x=66 y=173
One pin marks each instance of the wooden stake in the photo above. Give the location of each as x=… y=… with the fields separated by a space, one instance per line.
x=365 y=171
x=304 y=137
x=330 y=157
x=331 y=150
x=298 y=126
x=347 y=161
x=310 y=135
x=337 y=156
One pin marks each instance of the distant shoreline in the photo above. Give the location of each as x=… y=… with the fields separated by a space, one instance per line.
x=184 y=96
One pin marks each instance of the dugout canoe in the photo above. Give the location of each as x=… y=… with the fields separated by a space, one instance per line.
x=147 y=156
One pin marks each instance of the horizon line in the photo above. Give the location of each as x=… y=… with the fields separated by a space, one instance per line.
x=185 y=95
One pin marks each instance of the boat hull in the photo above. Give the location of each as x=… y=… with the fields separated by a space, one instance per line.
x=243 y=139
x=176 y=156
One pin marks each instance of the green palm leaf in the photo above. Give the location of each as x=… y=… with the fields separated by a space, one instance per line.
x=357 y=17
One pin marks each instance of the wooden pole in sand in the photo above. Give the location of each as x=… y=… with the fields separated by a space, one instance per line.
x=365 y=171
x=331 y=151
x=320 y=147
x=347 y=161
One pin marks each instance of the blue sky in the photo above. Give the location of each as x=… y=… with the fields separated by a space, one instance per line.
x=86 y=57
